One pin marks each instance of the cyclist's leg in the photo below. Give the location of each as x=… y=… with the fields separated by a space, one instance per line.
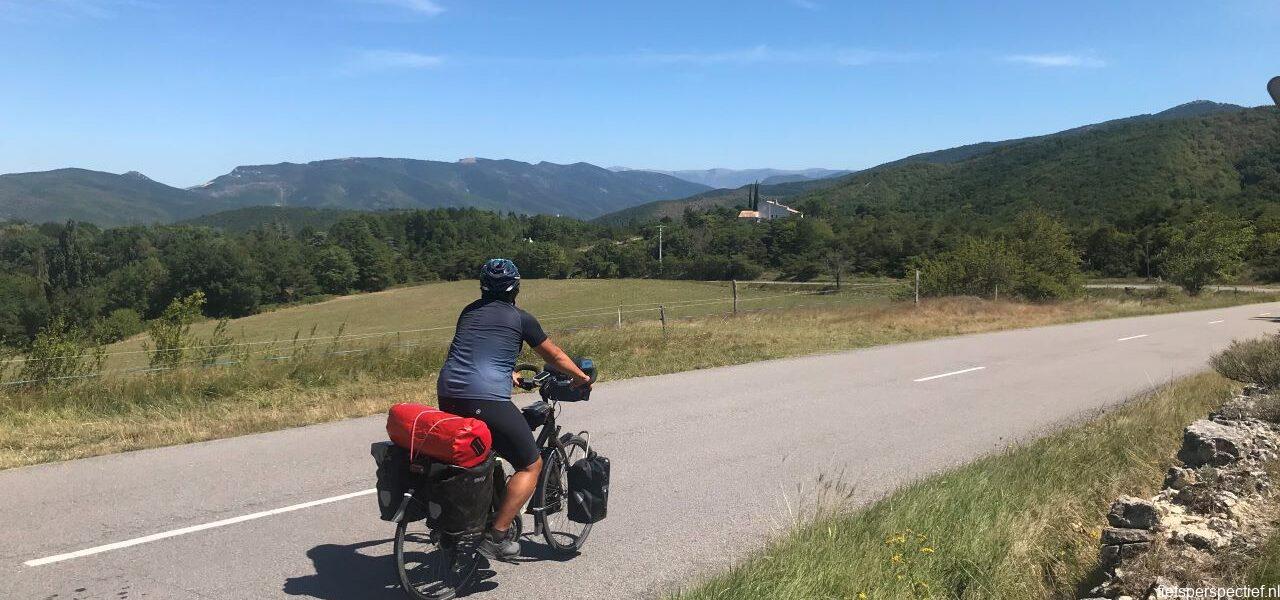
x=514 y=442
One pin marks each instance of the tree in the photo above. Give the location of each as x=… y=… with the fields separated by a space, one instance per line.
x=1050 y=263
x=23 y=308
x=541 y=260
x=371 y=256
x=977 y=267
x=1208 y=250
x=334 y=270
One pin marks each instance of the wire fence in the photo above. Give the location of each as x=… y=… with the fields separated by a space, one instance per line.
x=741 y=297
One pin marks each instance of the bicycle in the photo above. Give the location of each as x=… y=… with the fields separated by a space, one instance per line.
x=434 y=565
x=558 y=452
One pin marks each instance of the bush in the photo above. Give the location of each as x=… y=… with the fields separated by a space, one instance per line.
x=1252 y=361
x=1037 y=263
x=170 y=332
x=120 y=324
x=60 y=354
x=1209 y=250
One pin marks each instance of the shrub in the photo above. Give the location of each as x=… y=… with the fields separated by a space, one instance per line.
x=120 y=324
x=170 y=332
x=1251 y=361
x=1209 y=250
x=59 y=354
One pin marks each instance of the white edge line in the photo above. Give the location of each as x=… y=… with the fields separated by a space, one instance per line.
x=1218 y=321
x=1132 y=337
x=194 y=528
x=931 y=377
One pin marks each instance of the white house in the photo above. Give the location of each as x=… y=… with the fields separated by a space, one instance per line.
x=770 y=209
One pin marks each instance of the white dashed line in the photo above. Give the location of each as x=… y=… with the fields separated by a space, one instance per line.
x=1218 y=321
x=962 y=371
x=1132 y=337
x=194 y=528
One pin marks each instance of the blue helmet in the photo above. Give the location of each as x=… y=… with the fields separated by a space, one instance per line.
x=499 y=276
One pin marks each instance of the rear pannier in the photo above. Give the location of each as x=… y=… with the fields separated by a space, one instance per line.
x=395 y=480
x=458 y=499
x=588 y=497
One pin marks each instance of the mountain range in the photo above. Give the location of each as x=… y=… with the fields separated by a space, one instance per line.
x=579 y=190
x=733 y=178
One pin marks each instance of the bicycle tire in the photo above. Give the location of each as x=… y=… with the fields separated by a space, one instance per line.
x=444 y=578
x=561 y=534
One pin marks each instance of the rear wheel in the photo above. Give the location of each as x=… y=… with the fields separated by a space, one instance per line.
x=564 y=536
x=432 y=566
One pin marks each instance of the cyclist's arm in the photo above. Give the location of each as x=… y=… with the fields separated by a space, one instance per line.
x=556 y=357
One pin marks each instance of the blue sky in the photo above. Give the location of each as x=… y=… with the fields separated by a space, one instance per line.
x=186 y=90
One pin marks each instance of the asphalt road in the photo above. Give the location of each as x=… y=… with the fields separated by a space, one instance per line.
x=707 y=465
x=1263 y=289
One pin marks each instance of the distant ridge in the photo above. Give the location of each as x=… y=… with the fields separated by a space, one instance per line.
x=733 y=178
x=579 y=190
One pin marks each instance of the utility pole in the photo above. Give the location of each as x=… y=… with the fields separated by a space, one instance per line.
x=917 y=287
x=660 y=227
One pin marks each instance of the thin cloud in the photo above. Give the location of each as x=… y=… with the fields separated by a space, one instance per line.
x=366 y=61
x=33 y=10
x=1056 y=60
x=762 y=54
x=428 y=8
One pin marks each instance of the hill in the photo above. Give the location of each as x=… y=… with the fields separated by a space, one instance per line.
x=580 y=190
x=1195 y=108
x=916 y=167
x=1111 y=173
x=713 y=199
x=96 y=197
x=734 y=178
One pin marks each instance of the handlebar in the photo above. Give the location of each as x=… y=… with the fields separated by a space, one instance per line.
x=541 y=376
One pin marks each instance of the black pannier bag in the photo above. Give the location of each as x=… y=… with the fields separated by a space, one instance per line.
x=395 y=479
x=536 y=414
x=589 y=489
x=458 y=499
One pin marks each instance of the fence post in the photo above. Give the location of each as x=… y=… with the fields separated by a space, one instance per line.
x=619 y=317
x=997 y=296
x=838 y=279
x=735 y=296
x=662 y=316
x=917 y=287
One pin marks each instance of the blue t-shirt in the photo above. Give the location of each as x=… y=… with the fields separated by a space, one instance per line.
x=483 y=354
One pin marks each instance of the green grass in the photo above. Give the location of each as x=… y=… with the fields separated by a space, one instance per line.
x=426 y=313
x=1020 y=524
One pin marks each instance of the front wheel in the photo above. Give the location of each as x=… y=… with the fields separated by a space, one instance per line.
x=562 y=535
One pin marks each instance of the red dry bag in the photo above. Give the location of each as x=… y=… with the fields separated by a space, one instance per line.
x=442 y=436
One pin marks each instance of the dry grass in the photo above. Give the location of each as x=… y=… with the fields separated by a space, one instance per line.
x=1020 y=524
x=118 y=413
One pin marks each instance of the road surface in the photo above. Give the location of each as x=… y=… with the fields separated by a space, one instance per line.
x=707 y=465
x=1262 y=289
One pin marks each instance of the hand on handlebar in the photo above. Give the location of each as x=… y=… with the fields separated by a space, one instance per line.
x=580 y=383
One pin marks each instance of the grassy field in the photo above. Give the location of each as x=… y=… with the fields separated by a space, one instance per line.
x=426 y=313
x=131 y=411
x=1021 y=524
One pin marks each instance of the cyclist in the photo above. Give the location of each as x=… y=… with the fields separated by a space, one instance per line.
x=477 y=378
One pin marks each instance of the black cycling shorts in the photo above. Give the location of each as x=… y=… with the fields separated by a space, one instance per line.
x=512 y=438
